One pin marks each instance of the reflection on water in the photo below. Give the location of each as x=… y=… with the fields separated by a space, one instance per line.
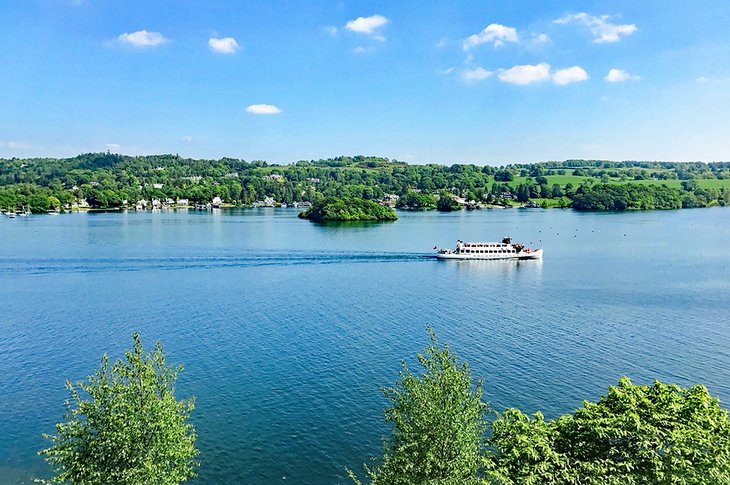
x=495 y=264
x=497 y=268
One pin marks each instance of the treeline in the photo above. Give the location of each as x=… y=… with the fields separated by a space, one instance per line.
x=105 y=180
x=125 y=425
x=605 y=197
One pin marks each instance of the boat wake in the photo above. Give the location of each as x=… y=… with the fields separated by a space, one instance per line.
x=39 y=266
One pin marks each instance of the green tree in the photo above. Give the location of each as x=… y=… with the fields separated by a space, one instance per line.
x=556 y=191
x=504 y=176
x=447 y=203
x=416 y=200
x=633 y=435
x=438 y=421
x=53 y=202
x=124 y=425
x=690 y=185
x=523 y=193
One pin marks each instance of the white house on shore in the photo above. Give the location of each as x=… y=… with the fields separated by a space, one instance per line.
x=80 y=204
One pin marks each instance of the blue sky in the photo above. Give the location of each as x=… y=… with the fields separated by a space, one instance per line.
x=486 y=82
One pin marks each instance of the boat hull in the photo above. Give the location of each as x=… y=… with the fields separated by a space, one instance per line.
x=536 y=254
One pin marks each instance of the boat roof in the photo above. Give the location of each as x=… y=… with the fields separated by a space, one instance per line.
x=493 y=243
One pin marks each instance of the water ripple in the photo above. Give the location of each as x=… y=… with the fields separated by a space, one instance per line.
x=41 y=266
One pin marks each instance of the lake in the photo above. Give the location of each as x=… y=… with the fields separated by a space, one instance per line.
x=287 y=329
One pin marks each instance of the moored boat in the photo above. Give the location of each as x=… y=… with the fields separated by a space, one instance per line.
x=489 y=250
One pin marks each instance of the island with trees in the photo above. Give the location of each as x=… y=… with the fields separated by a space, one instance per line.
x=330 y=209
x=106 y=181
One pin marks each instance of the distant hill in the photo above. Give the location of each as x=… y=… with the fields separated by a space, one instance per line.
x=107 y=180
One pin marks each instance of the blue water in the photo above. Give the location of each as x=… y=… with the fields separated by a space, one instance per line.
x=287 y=329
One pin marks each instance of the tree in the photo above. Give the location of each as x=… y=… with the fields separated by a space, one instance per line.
x=523 y=193
x=447 y=203
x=127 y=427
x=504 y=176
x=633 y=435
x=690 y=185
x=53 y=202
x=438 y=423
x=556 y=191
x=416 y=200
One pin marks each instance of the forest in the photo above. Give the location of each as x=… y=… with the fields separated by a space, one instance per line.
x=107 y=181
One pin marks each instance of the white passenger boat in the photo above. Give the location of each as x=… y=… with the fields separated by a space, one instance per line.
x=489 y=250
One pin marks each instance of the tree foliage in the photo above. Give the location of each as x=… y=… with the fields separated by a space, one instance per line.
x=106 y=180
x=438 y=421
x=336 y=209
x=626 y=197
x=124 y=425
x=416 y=201
x=447 y=203
x=633 y=435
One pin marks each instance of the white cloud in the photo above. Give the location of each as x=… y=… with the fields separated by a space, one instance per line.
x=362 y=50
x=142 y=38
x=495 y=33
x=525 y=74
x=226 y=45
x=187 y=138
x=476 y=74
x=330 y=29
x=447 y=71
x=713 y=80
x=113 y=146
x=619 y=76
x=600 y=27
x=367 y=25
x=541 y=39
x=570 y=75
x=443 y=42
x=263 y=109
x=14 y=145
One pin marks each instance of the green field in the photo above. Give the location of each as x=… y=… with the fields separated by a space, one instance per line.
x=562 y=180
x=703 y=183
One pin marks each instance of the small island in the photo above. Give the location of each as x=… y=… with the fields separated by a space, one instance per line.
x=351 y=209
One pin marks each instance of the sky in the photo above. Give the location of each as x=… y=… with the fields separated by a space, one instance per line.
x=484 y=82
